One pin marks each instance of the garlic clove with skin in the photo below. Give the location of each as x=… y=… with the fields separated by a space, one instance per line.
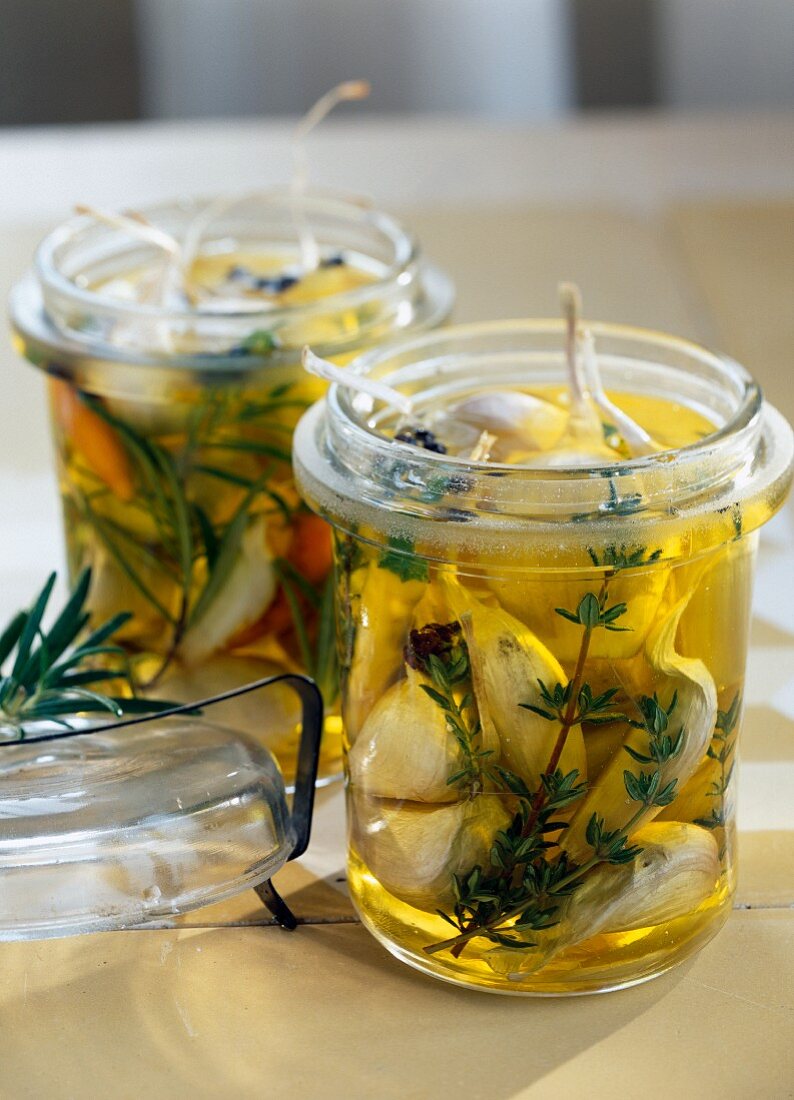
x=508 y=660
x=382 y=606
x=517 y=419
x=406 y=749
x=688 y=681
x=248 y=592
x=414 y=850
x=676 y=871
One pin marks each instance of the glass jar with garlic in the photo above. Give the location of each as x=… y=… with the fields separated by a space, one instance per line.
x=171 y=341
x=544 y=536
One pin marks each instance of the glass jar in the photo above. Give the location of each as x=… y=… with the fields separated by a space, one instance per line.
x=173 y=415
x=542 y=668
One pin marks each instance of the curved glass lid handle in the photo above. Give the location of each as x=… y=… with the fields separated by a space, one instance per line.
x=308 y=758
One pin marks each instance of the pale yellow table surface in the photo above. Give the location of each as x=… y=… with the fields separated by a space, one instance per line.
x=226 y=1005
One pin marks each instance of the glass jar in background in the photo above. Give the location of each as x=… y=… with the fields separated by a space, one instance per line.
x=543 y=667
x=174 y=387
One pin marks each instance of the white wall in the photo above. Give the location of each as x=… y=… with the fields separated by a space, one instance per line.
x=505 y=58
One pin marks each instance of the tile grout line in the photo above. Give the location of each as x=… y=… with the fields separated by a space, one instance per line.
x=743 y=907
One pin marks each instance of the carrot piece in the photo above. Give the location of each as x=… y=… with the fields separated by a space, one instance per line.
x=93 y=439
x=311 y=551
x=307 y=542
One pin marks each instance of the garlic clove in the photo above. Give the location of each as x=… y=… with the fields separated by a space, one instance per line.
x=677 y=870
x=508 y=660
x=695 y=714
x=405 y=748
x=514 y=417
x=247 y=593
x=414 y=850
x=382 y=606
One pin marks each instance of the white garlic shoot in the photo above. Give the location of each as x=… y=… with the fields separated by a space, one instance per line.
x=330 y=372
x=583 y=414
x=166 y=288
x=135 y=225
x=583 y=441
x=634 y=435
x=347 y=91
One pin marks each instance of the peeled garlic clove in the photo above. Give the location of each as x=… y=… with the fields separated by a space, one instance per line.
x=405 y=748
x=242 y=599
x=414 y=850
x=695 y=713
x=383 y=611
x=677 y=870
x=507 y=660
x=522 y=419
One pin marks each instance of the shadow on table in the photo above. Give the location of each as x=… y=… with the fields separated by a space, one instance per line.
x=254 y=1011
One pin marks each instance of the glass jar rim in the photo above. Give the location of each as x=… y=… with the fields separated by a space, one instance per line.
x=404 y=243
x=342 y=461
x=70 y=330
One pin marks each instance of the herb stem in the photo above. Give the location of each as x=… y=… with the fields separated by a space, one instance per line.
x=568 y=716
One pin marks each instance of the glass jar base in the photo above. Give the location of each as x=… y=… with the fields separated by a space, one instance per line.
x=602 y=964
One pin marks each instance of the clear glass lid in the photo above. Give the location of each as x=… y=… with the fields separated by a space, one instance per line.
x=117 y=826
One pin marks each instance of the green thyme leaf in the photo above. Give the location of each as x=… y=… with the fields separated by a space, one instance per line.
x=402 y=560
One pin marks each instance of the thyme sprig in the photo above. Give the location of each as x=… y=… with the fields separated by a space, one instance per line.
x=440 y=652
x=522 y=889
x=721 y=749
x=529 y=873
x=53 y=677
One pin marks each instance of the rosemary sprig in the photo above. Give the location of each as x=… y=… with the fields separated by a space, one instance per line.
x=187 y=538
x=53 y=677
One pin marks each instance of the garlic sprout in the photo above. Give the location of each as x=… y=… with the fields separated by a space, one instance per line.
x=634 y=435
x=347 y=91
x=322 y=368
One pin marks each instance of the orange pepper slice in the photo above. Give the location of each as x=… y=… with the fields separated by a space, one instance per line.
x=93 y=439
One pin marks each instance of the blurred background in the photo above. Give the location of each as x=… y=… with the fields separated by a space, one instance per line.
x=100 y=60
